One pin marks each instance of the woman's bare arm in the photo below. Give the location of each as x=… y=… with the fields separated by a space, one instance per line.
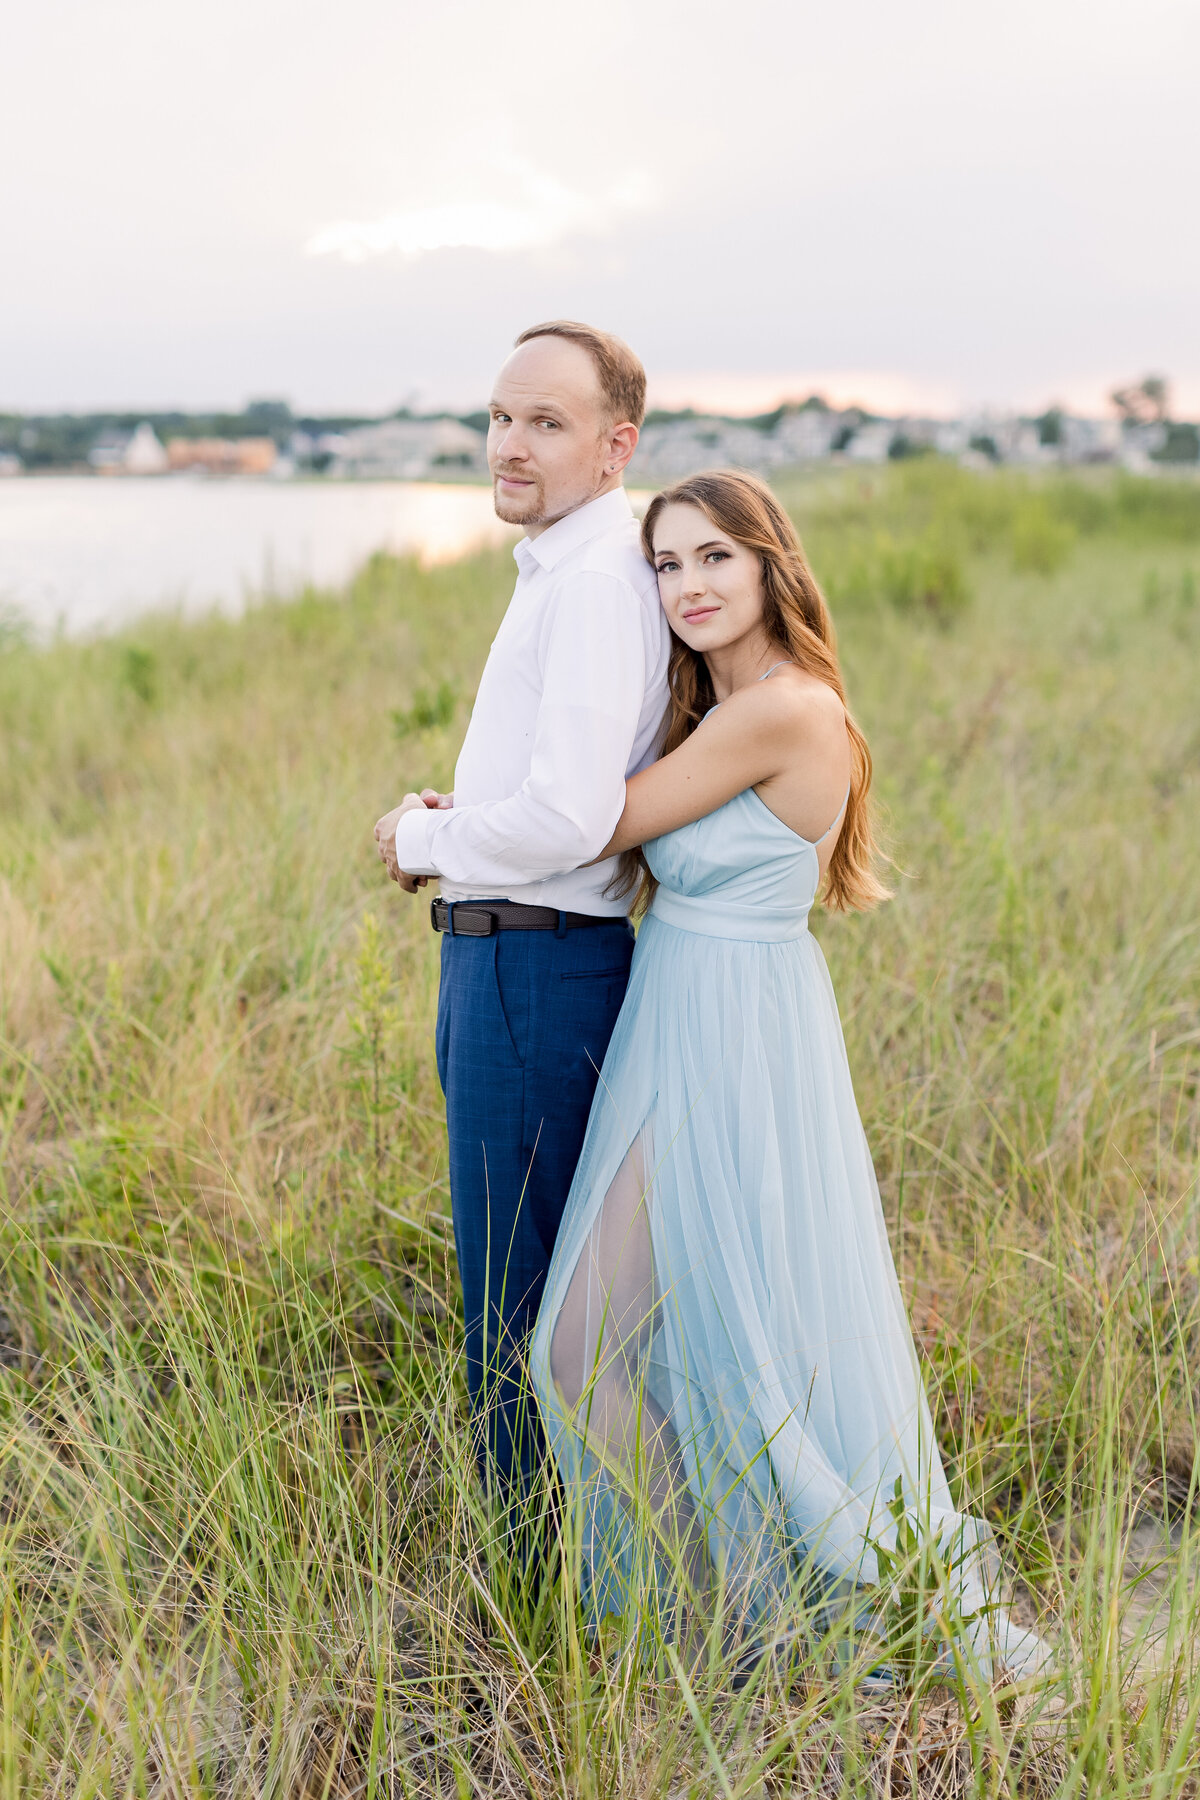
x=757 y=734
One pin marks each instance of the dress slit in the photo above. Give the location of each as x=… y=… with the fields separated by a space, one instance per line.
x=601 y=1354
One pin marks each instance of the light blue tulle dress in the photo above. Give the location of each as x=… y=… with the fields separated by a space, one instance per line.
x=722 y=1346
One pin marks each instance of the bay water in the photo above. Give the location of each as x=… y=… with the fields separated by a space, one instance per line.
x=83 y=554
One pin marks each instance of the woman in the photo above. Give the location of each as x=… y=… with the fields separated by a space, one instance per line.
x=722 y=1356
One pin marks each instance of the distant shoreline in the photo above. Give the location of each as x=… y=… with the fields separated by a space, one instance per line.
x=302 y=478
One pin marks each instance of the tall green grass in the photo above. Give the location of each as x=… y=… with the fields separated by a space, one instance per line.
x=242 y=1550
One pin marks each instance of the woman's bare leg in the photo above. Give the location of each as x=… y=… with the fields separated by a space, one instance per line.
x=598 y=1359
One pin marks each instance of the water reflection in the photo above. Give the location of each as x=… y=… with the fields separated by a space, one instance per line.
x=86 y=555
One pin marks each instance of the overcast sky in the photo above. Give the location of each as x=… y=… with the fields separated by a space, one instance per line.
x=926 y=204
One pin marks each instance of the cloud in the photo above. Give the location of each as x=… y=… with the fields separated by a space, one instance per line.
x=545 y=212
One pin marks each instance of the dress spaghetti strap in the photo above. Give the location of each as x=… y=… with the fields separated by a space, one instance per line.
x=784 y=663
x=841 y=809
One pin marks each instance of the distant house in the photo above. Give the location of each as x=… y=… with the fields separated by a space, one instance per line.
x=805 y=435
x=672 y=448
x=1089 y=440
x=1138 y=444
x=129 y=452
x=107 y=454
x=872 y=442
x=1019 y=441
x=144 y=455
x=256 y=456
x=222 y=456
x=409 y=450
x=951 y=437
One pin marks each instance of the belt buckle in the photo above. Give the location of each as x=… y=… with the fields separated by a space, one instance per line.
x=482 y=923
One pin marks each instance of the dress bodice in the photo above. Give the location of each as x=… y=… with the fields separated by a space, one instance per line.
x=739 y=872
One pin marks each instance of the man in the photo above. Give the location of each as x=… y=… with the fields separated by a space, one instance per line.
x=535 y=950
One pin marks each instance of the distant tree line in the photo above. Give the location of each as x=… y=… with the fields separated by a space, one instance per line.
x=1148 y=402
x=48 y=441
x=65 y=440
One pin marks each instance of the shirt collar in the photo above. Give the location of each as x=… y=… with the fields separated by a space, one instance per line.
x=574 y=529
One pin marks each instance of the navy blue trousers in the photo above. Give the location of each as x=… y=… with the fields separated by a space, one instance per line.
x=524 y=1019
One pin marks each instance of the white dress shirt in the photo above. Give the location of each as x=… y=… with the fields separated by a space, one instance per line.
x=571 y=701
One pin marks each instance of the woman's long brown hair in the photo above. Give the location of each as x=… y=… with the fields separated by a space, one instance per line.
x=797 y=620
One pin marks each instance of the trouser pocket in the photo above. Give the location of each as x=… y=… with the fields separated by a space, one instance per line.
x=510 y=988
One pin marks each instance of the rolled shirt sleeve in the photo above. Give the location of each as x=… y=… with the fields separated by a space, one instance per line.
x=593 y=667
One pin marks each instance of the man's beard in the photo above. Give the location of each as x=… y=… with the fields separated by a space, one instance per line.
x=529 y=509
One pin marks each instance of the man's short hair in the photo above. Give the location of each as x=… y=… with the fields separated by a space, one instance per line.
x=622 y=377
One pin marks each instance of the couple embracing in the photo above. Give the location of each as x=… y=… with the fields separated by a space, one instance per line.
x=675 y=1268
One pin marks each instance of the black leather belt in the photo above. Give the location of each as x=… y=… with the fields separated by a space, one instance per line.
x=480 y=918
